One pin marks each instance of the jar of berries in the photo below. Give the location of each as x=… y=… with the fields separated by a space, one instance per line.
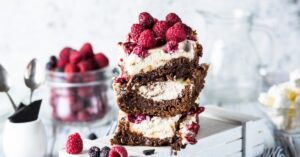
x=79 y=82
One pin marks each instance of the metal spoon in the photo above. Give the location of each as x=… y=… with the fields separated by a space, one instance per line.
x=32 y=77
x=4 y=87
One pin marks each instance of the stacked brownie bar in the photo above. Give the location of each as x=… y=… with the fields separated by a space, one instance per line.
x=160 y=82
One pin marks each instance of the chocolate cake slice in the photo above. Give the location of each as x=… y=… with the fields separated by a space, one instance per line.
x=167 y=97
x=144 y=130
x=160 y=81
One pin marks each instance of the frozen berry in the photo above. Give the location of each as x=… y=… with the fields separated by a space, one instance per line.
x=71 y=68
x=105 y=151
x=84 y=66
x=191 y=139
x=128 y=47
x=171 y=46
x=74 y=144
x=149 y=151
x=94 y=152
x=136 y=30
x=172 y=18
x=64 y=54
x=101 y=60
x=176 y=32
x=136 y=118
x=75 y=57
x=146 y=20
x=118 y=151
x=86 y=51
x=147 y=39
x=140 y=51
x=194 y=127
x=160 y=29
x=92 y=136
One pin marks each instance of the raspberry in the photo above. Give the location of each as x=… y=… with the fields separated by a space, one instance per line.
x=136 y=118
x=172 y=18
x=84 y=66
x=140 y=51
x=86 y=51
x=198 y=110
x=75 y=57
x=176 y=33
x=160 y=29
x=74 y=144
x=128 y=47
x=191 y=139
x=83 y=116
x=146 y=20
x=118 y=151
x=194 y=127
x=147 y=39
x=71 y=68
x=171 y=46
x=101 y=60
x=136 y=30
x=65 y=54
x=94 y=152
x=105 y=151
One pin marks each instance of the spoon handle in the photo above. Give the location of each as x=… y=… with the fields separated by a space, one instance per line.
x=31 y=94
x=12 y=101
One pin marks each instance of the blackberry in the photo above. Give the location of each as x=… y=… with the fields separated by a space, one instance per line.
x=104 y=151
x=149 y=151
x=53 y=59
x=92 y=136
x=50 y=65
x=94 y=151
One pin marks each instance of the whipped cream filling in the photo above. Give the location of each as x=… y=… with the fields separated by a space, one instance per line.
x=283 y=103
x=155 y=127
x=157 y=57
x=166 y=90
x=183 y=127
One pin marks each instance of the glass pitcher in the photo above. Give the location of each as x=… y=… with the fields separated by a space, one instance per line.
x=235 y=63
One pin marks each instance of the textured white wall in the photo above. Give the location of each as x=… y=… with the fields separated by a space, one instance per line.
x=39 y=28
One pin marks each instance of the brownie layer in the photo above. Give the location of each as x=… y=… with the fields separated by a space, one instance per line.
x=179 y=67
x=131 y=102
x=126 y=136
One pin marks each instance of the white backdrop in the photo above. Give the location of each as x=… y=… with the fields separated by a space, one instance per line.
x=39 y=28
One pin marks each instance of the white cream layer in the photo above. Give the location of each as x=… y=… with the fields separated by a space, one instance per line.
x=157 y=57
x=183 y=127
x=156 y=127
x=167 y=90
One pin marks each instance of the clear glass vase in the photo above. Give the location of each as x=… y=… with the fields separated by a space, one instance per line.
x=233 y=75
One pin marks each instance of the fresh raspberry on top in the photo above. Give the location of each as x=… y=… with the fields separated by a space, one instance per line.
x=146 y=20
x=176 y=32
x=118 y=151
x=171 y=46
x=71 y=68
x=101 y=60
x=86 y=51
x=147 y=39
x=140 y=51
x=136 y=30
x=172 y=18
x=75 y=57
x=160 y=29
x=74 y=144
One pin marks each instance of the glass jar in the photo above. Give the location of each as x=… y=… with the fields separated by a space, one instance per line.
x=235 y=63
x=79 y=97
